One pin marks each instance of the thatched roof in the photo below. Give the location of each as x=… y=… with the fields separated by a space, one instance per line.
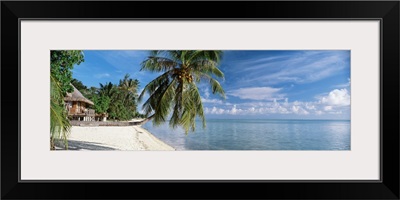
x=77 y=96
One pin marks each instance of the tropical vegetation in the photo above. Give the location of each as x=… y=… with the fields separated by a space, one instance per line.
x=176 y=89
x=119 y=101
x=173 y=95
x=61 y=64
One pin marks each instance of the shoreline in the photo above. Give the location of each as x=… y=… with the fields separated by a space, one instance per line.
x=123 y=138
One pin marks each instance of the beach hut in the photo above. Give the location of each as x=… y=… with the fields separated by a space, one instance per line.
x=77 y=106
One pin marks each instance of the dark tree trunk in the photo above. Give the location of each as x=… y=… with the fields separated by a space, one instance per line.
x=146 y=120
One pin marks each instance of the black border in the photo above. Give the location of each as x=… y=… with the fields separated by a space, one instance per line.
x=386 y=11
x=196 y=180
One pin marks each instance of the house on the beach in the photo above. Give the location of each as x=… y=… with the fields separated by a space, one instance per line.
x=77 y=106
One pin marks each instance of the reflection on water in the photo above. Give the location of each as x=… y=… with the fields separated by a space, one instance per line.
x=249 y=134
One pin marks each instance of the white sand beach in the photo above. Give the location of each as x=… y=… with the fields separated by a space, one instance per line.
x=114 y=138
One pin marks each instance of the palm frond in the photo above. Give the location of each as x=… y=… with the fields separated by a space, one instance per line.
x=195 y=94
x=151 y=87
x=173 y=55
x=59 y=123
x=150 y=105
x=177 y=112
x=160 y=101
x=164 y=103
x=158 y=64
x=216 y=87
x=214 y=56
x=192 y=55
x=208 y=67
x=191 y=108
x=177 y=88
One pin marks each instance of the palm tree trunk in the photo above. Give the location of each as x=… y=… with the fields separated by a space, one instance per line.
x=52 y=145
x=146 y=120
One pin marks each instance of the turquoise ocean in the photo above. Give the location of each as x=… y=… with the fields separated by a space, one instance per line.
x=258 y=134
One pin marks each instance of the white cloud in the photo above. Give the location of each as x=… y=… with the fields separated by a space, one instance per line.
x=103 y=75
x=327 y=108
x=299 y=110
x=344 y=85
x=283 y=110
x=274 y=107
x=337 y=97
x=217 y=110
x=234 y=110
x=302 y=68
x=206 y=93
x=318 y=112
x=295 y=109
x=214 y=101
x=336 y=102
x=214 y=111
x=333 y=103
x=257 y=93
x=310 y=106
x=286 y=101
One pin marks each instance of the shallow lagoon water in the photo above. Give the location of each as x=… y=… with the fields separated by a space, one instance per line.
x=258 y=134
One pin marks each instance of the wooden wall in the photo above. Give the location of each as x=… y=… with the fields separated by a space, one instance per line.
x=77 y=107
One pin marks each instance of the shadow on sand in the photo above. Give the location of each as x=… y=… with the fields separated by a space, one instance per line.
x=82 y=145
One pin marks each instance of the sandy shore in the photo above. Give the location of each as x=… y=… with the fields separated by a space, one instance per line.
x=114 y=138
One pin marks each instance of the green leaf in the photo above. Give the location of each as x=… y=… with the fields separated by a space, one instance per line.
x=176 y=90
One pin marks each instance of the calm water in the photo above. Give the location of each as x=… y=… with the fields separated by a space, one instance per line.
x=247 y=134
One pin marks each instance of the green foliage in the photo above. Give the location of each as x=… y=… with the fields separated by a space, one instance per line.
x=119 y=111
x=176 y=89
x=123 y=105
x=59 y=124
x=119 y=101
x=90 y=93
x=108 y=89
x=129 y=85
x=101 y=103
x=78 y=85
x=127 y=94
x=61 y=65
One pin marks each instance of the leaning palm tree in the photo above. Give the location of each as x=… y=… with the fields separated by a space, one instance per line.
x=176 y=88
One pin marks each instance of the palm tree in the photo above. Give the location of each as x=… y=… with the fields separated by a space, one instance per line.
x=108 y=90
x=129 y=87
x=129 y=84
x=59 y=123
x=175 y=89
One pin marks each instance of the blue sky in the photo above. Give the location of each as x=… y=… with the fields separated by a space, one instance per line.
x=293 y=84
